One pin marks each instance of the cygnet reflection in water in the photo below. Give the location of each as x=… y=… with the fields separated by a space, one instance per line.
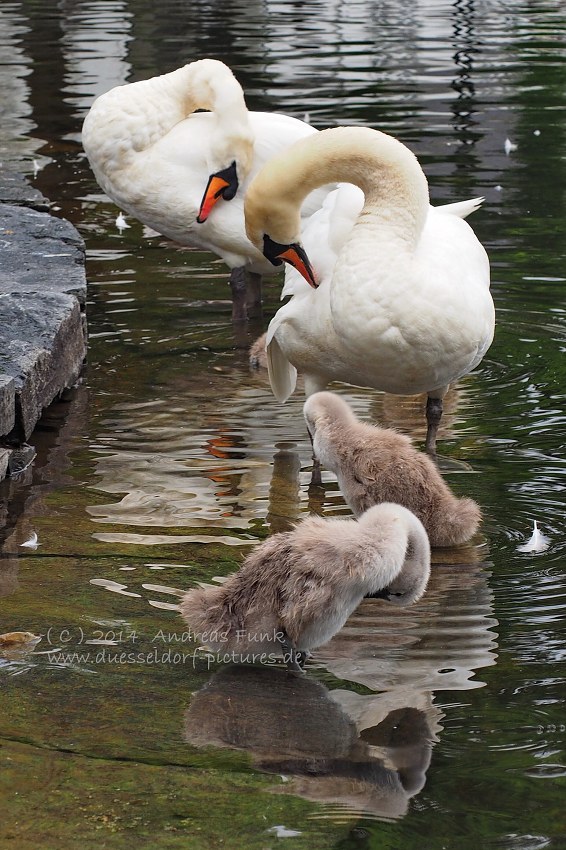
x=434 y=646
x=295 y=727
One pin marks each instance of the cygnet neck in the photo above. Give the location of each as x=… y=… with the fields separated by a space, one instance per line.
x=410 y=583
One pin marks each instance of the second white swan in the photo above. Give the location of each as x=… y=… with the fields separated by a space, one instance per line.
x=406 y=308
x=175 y=167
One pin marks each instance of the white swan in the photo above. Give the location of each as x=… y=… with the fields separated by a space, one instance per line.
x=175 y=169
x=404 y=305
x=298 y=588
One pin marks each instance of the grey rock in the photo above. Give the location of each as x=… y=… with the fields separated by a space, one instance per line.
x=5 y=455
x=20 y=458
x=7 y=405
x=42 y=349
x=14 y=189
x=40 y=253
x=42 y=324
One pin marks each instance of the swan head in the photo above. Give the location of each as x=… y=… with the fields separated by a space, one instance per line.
x=234 y=156
x=273 y=227
x=222 y=184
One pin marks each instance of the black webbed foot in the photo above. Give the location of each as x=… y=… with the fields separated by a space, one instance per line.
x=293 y=658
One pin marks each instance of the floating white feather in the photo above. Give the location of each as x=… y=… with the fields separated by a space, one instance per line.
x=510 y=146
x=537 y=542
x=282 y=832
x=121 y=222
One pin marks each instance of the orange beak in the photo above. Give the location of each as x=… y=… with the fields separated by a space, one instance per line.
x=301 y=263
x=223 y=184
x=292 y=253
x=213 y=193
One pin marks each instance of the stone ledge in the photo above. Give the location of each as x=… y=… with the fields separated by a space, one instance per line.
x=7 y=403
x=14 y=189
x=40 y=253
x=42 y=325
x=42 y=349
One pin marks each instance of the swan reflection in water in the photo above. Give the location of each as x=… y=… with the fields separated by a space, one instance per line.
x=438 y=644
x=203 y=455
x=319 y=740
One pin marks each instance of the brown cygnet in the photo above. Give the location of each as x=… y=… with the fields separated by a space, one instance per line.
x=297 y=588
x=376 y=465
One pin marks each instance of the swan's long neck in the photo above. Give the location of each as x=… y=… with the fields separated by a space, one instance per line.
x=393 y=183
x=131 y=118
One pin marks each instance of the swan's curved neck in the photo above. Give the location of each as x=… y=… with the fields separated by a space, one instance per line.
x=129 y=119
x=393 y=183
x=206 y=84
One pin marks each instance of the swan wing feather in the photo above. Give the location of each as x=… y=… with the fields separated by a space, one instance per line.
x=282 y=373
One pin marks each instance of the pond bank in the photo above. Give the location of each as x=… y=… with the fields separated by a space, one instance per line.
x=42 y=318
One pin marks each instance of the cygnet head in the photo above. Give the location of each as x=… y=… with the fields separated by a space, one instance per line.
x=325 y=408
x=402 y=525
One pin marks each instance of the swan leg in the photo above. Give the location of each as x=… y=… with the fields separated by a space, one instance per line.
x=253 y=295
x=316 y=475
x=246 y=294
x=294 y=659
x=238 y=287
x=433 y=417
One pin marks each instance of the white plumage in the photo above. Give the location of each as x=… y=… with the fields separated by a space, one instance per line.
x=403 y=301
x=154 y=155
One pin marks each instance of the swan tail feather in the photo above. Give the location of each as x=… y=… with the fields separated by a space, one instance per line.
x=462 y=209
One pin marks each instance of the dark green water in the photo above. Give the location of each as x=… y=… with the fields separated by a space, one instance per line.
x=441 y=726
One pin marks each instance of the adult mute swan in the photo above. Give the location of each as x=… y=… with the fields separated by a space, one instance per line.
x=184 y=173
x=376 y=465
x=405 y=307
x=298 y=588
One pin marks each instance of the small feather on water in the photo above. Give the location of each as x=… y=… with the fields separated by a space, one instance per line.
x=537 y=542
x=31 y=543
x=282 y=832
x=121 y=222
x=510 y=146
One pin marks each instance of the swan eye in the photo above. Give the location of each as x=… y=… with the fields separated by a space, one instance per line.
x=222 y=184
